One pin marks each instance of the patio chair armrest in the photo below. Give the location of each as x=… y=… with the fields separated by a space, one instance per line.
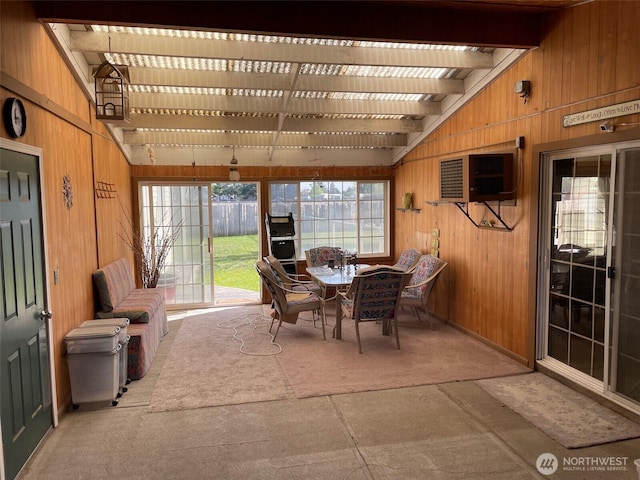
x=290 y=290
x=301 y=277
x=423 y=283
x=417 y=285
x=302 y=282
x=347 y=294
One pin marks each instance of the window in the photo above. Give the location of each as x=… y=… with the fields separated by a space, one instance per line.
x=351 y=214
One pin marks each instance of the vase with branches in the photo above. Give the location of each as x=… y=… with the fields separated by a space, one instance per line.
x=151 y=246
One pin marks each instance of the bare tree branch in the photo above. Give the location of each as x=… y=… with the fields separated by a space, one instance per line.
x=150 y=248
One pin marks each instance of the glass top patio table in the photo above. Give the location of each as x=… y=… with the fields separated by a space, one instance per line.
x=336 y=278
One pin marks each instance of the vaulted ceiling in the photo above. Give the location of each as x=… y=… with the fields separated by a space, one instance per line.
x=288 y=83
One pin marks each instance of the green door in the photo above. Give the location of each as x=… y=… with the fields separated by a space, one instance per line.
x=25 y=399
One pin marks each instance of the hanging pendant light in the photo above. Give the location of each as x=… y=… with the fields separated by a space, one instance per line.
x=234 y=174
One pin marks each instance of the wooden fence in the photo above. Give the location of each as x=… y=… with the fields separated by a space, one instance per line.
x=235 y=218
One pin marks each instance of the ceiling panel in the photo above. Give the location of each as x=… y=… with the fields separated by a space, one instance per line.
x=205 y=93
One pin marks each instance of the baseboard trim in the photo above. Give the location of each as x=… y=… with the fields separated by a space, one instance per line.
x=487 y=342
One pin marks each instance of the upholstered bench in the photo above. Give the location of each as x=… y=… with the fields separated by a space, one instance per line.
x=118 y=296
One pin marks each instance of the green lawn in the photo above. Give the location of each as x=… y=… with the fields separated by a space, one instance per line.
x=234 y=262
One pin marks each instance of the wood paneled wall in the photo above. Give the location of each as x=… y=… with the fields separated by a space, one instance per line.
x=81 y=238
x=586 y=61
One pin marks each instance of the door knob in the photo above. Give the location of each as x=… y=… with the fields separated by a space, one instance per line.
x=45 y=314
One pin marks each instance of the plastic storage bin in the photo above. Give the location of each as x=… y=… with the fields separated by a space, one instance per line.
x=123 y=339
x=92 y=339
x=123 y=323
x=93 y=357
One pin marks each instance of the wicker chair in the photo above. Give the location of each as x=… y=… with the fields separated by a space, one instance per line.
x=374 y=295
x=298 y=282
x=295 y=282
x=289 y=303
x=416 y=294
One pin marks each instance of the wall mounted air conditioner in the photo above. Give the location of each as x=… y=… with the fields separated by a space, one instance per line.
x=478 y=177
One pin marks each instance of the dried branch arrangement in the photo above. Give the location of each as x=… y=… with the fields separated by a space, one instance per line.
x=150 y=247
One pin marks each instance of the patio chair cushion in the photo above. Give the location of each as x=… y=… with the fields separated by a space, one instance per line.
x=408 y=259
x=424 y=269
x=319 y=256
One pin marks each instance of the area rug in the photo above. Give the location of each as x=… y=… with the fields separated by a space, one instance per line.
x=569 y=417
x=220 y=358
x=227 y=357
x=427 y=355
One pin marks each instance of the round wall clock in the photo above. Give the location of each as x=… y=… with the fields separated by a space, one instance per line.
x=14 y=117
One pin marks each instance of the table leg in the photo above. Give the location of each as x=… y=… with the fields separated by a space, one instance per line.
x=338 y=327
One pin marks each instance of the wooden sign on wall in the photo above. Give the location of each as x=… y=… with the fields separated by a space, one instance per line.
x=617 y=110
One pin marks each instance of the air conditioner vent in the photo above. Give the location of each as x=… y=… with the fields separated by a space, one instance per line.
x=478 y=177
x=452 y=179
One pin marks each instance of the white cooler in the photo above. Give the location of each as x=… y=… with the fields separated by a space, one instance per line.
x=123 y=339
x=93 y=356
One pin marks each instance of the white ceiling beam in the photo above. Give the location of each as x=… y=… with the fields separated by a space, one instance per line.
x=216 y=155
x=221 y=103
x=274 y=81
x=295 y=73
x=275 y=52
x=344 y=83
x=264 y=124
x=264 y=139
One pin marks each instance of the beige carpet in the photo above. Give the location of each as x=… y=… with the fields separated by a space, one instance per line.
x=206 y=365
x=427 y=356
x=567 y=416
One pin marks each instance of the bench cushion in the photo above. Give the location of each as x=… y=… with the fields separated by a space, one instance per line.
x=140 y=305
x=114 y=282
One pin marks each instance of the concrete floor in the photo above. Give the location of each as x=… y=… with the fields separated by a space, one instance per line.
x=446 y=431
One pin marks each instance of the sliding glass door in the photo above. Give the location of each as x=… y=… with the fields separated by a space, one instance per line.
x=186 y=279
x=578 y=261
x=213 y=259
x=589 y=276
x=625 y=328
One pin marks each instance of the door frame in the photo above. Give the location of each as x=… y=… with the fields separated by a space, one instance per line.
x=208 y=183
x=37 y=152
x=150 y=183
x=540 y=325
